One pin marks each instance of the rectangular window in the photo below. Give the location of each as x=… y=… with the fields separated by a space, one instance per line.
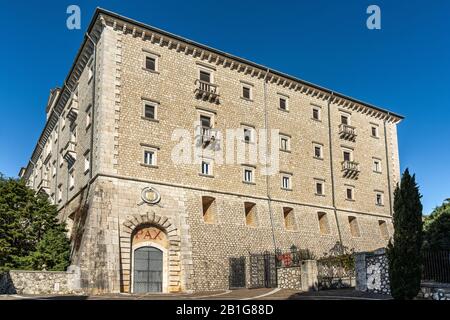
x=246 y=92
x=54 y=168
x=206 y=168
x=71 y=180
x=344 y=119
x=354 y=228
x=318 y=151
x=284 y=143
x=149 y=111
x=209 y=209
x=347 y=155
x=59 y=192
x=90 y=72
x=205 y=76
x=248 y=175
x=283 y=103
x=374 y=131
x=379 y=199
x=349 y=193
x=320 y=188
x=149 y=157
x=377 y=165
x=150 y=63
x=286 y=182
x=250 y=214
x=87 y=161
x=205 y=121
x=248 y=135
x=316 y=114
x=88 y=117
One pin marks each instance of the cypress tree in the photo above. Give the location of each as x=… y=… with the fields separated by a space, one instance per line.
x=404 y=254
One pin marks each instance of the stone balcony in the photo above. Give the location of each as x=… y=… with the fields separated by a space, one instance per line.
x=44 y=185
x=350 y=169
x=73 y=110
x=70 y=154
x=347 y=132
x=206 y=91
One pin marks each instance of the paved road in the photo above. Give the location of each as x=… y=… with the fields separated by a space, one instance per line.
x=242 y=294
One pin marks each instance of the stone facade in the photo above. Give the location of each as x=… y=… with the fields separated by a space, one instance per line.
x=98 y=184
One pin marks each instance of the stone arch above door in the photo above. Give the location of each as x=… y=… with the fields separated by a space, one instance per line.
x=164 y=223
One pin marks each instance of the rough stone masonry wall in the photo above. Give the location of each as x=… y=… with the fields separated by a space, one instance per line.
x=289 y=278
x=37 y=282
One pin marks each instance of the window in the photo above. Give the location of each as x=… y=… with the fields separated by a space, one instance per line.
x=209 y=209
x=377 y=165
x=250 y=214
x=205 y=121
x=87 y=161
x=347 y=155
x=55 y=135
x=88 y=117
x=379 y=201
x=383 y=229
x=283 y=103
x=345 y=119
x=246 y=92
x=63 y=122
x=284 y=143
x=286 y=182
x=150 y=157
x=248 y=135
x=90 y=72
x=349 y=193
x=61 y=158
x=150 y=63
x=60 y=192
x=318 y=151
x=320 y=189
x=354 y=228
x=71 y=180
x=289 y=218
x=149 y=110
x=316 y=113
x=374 y=130
x=205 y=76
x=206 y=168
x=248 y=175
x=54 y=168
x=324 y=226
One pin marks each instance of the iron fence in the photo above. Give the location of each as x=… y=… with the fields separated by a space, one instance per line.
x=436 y=266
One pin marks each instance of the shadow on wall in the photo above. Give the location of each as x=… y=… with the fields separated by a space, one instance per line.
x=6 y=284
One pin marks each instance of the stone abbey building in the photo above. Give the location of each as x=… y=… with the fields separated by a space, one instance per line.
x=146 y=215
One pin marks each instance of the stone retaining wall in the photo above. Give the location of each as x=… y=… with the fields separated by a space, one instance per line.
x=39 y=282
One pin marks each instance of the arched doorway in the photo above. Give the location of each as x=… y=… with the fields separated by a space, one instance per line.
x=148 y=270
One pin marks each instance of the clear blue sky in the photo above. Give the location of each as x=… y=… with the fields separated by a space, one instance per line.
x=403 y=67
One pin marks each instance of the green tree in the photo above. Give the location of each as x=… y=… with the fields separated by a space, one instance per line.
x=437 y=228
x=404 y=254
x=29 y=229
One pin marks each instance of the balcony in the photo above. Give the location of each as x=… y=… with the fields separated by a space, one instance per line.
x=70 y=154
x=44 y=185
x=347 y=132
x=207 y=136
x=73 y=110
x=350 y=169
x=206 y=91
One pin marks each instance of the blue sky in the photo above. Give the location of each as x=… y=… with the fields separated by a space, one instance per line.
x=403 y=67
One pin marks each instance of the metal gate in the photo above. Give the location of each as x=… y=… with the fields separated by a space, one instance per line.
x=148 y=265
x=263 y=271
x=237 y=273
